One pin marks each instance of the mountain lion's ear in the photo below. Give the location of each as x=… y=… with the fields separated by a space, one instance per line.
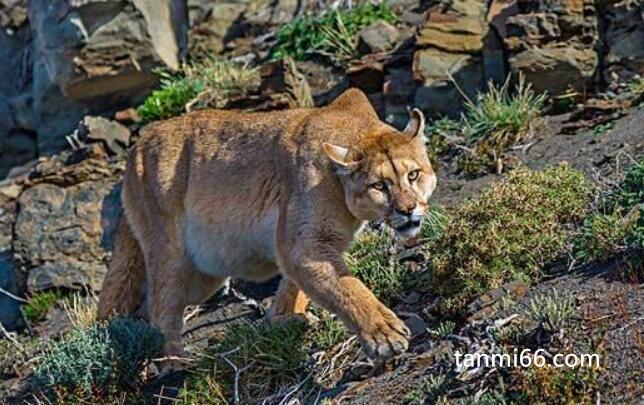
x=338 y=154
x=416 y=125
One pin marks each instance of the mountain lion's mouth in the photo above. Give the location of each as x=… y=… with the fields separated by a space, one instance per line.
x=408 y=226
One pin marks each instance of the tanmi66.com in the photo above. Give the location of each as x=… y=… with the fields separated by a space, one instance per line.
x=526 y=358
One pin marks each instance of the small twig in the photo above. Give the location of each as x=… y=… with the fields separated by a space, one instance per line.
x=11 y=337
x=193 y=313
x=237 y=371
x=10 y=295
x=628 y=325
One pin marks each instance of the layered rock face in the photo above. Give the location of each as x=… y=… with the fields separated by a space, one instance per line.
x=63 y=59
x=458 y=46
x=553 y=44
x=623 y=38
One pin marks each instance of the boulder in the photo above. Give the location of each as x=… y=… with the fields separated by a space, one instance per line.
x=377 y=37
x=66 y=223
x=556 y=68
x=63 y=59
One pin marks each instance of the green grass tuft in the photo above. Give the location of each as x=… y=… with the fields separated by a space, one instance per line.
x=499 y=119
x=208 y=83
x=332 y=33
x=510 y=231
x=39 y=305
x=328 y=332
x=270 y=357
x=370 y=260
x=551 y=311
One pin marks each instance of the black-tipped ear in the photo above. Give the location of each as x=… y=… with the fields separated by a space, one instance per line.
x=416 y=125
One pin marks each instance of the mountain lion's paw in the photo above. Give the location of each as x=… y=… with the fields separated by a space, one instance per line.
x=281 y=319
x=386 y=335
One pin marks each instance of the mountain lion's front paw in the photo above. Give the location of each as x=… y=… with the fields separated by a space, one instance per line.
x=281 y=319
x=384 y=335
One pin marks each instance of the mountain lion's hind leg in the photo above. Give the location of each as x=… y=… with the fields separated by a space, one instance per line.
x=172 y=285
x=290 y=304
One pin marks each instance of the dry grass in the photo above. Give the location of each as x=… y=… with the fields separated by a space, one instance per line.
x=80 y=310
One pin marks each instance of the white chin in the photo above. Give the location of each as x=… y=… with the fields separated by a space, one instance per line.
x=408 y=233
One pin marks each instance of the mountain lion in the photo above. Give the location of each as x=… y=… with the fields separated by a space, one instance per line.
x=217 y=194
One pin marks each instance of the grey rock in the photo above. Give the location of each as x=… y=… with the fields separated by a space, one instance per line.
x=377 y=37
x=416 y=324
x=101 y=50
x=557 y=68
x=213 y=24
x=63 y=236
x=115 y=136
x=437 y=94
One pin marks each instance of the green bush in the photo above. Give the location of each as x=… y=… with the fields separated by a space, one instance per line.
x=328 y=332
x=97 y=359
x=170 y=100
x=308 y=34
x=510 y=231
x=133 y=344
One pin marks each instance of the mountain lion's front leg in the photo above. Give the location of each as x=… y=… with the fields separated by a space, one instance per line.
x=320 y=271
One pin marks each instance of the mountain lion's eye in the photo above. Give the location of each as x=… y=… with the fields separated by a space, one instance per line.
x=413 y=176
x=378 y=186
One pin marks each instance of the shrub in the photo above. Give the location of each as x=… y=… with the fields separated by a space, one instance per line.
x=554 y=386
x=370 y=260
x=510 y=231
x=551 y=311
x=498 y=120
x=133 y=343
x=208 y=83
x=331 y=33
x=39 y=305
x=618 y=224
x=93 y=361
x=269 y=358
x=80 y=363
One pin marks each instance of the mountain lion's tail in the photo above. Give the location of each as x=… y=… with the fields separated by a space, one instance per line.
x=123 y=283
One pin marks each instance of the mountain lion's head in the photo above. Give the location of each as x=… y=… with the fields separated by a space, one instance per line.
x=388 y=176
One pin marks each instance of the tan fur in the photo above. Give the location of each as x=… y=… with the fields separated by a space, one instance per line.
x=217 y=194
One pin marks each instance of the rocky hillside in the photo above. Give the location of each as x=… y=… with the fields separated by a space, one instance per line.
x=535 y=240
